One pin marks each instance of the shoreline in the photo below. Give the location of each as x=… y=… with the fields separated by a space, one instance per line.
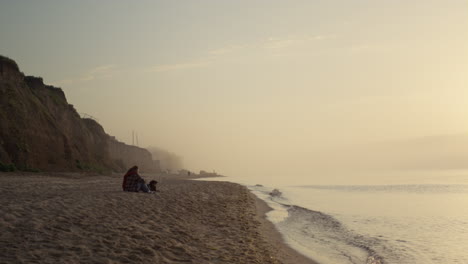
x=72 y=218
x=285 y=252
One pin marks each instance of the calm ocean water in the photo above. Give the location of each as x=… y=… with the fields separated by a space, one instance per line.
x=416 y=217
x=410 y=223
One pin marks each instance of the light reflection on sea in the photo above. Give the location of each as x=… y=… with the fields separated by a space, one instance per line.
x=407 y=217
x=400 y=223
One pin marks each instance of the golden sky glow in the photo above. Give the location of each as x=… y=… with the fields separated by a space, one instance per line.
x=253 y=87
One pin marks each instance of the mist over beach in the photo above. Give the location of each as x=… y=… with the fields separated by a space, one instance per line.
x=253 y=88
x=342 y=102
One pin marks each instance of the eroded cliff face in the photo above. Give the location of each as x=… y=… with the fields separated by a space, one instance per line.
x=39 y=129
x=127 y=156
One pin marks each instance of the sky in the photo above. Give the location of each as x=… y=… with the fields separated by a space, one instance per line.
x=260 y=88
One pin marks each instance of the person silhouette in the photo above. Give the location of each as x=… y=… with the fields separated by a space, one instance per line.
x=132 y=182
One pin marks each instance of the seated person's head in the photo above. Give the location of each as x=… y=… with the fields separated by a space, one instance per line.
x=133 y=169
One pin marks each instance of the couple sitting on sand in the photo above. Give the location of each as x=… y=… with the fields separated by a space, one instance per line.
x=132 y=182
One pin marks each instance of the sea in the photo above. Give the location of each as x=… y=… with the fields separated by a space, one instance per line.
x=405 y=219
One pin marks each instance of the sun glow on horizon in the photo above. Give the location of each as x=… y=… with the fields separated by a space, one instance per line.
x=268 y=85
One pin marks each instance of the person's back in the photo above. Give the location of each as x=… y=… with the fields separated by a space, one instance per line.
x=132 y=182
x=131 y=179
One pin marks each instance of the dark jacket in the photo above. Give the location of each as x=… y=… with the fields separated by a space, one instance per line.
x=130 y=182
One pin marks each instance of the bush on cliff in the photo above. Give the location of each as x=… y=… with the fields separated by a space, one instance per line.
x=7 y=167
x=87 y=167
x=12 y=167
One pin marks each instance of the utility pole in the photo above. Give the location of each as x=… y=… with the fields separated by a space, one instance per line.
x=133 y=137
x=137 y=140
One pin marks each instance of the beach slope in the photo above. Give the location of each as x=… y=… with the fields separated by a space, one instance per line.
x=84 y=219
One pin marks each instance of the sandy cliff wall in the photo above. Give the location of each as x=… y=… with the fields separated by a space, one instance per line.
x=128 y=156
x=39 y=129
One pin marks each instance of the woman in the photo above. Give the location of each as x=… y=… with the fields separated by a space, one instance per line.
x=132 y=182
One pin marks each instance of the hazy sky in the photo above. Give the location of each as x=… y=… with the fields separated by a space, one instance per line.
x=252 y=87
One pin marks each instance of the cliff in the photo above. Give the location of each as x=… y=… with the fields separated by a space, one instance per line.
x=40 y=130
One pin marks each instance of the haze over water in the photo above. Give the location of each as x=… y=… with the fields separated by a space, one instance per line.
x=281 y=93
x=251 y=88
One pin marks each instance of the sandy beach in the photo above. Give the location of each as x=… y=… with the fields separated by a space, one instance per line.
x=88 y=219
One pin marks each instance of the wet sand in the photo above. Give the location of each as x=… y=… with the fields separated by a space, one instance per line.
x=88 y=219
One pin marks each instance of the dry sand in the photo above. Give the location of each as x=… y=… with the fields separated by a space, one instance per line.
x=88 y=219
